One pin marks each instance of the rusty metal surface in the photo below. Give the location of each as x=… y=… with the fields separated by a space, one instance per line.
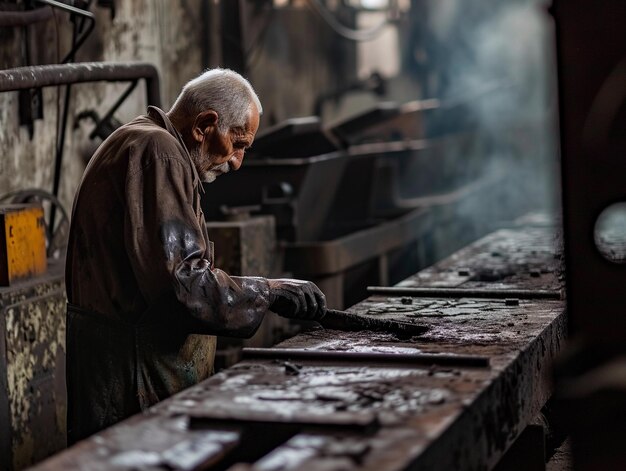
x=482 y=326
x=480 y=412
x=151 y=441
x=32 y=362
x=430 y=416
x=372 y=358
x=421 y=292
x=23 y=78
x=517 y=258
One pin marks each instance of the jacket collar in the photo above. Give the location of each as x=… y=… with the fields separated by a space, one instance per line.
x=159 y=117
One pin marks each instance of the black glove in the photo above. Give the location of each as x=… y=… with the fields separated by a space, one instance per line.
x=296 y=299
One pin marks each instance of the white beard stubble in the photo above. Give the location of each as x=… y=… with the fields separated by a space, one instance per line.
x=208 y=176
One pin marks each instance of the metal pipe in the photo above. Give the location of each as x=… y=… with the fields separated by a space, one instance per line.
x=24 y=78
x=24 y=18
x=422 y=359
x=466 y=293
x=58 y=161
x=78 y=38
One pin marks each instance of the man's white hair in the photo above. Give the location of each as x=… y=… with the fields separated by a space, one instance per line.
x=222 y=90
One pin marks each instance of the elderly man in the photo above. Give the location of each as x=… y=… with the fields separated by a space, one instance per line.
x=144 y=299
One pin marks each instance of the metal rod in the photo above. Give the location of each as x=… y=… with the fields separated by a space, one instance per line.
x=351 y=322
x=466 y=293
x=58 y=160
x=424 y=359
x=78 y=37
x=364 y=422
x=24 y=78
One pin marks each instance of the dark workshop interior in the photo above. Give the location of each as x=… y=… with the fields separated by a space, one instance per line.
x=419 y=265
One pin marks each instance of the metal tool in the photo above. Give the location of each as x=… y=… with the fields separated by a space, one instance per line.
x=466 y=293
x=347 y=321
x=424 y=359
x=362 y=421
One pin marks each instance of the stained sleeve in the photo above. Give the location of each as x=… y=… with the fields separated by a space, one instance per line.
x=167 y=246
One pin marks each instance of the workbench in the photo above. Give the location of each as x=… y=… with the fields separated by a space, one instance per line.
x=343 y=413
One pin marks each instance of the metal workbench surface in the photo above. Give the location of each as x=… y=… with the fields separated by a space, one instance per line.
x=345 y=414
x=513 y=258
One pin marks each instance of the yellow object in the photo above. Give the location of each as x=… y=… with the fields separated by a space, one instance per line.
x=22 y=242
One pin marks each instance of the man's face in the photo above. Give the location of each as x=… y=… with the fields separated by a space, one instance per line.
x=220 y=153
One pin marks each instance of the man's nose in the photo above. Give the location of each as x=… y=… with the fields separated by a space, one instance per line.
x=236 y=160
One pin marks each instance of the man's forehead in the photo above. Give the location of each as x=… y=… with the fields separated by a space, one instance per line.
x=252 y=121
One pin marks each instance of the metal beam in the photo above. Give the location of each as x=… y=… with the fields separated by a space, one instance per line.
x=466 y=292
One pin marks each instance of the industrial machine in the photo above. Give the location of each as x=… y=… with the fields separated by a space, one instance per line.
x=355 y=201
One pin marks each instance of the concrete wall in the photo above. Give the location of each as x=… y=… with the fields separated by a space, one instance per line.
x=167 y=33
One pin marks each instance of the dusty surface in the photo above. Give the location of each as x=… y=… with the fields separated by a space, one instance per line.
x=517 y=341
x=147 y=442
x=506 y=259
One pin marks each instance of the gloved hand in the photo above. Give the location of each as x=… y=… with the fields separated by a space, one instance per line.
x=296 y=299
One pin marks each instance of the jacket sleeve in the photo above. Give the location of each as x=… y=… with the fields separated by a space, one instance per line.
x=167 y=246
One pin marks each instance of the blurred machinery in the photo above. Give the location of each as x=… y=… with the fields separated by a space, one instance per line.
x=359 y=201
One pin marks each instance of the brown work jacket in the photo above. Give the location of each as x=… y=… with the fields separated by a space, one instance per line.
x=143 y=294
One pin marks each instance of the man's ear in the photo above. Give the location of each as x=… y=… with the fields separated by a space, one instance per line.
x=203 y=123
